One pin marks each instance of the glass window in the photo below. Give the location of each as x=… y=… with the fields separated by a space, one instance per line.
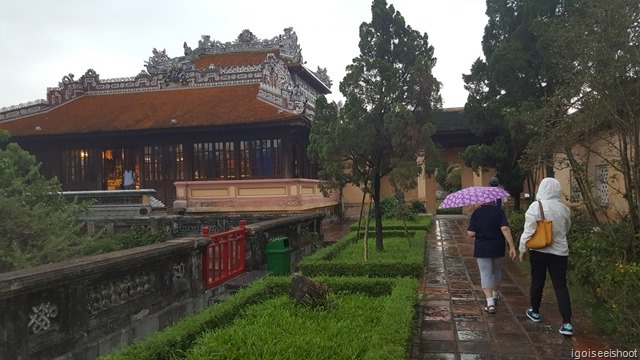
x=153 y=163
x=266 y=158
x=225 y=160
x=602 y=184
x=203 y=166
x=78 y=166
x=176 y=155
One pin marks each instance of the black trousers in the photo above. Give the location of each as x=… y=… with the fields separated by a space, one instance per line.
x=557 y=267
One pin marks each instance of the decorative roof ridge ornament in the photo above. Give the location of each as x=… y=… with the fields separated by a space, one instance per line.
x=170 y=70
x=287 y=43
x=24 y=105
x=322 y=75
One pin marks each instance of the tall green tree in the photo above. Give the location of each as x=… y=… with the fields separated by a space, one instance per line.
x=597 y=105
x=37 y=225
x=509 y=86
x=385 y=126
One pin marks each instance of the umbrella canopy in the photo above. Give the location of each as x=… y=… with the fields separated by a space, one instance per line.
x=473 y=195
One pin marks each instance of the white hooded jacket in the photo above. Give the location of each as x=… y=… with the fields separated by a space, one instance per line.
x=549 y=194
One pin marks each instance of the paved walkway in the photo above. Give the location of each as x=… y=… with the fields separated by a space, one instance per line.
x=453 y=324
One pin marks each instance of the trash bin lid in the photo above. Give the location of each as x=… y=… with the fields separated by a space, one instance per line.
x=279 y=243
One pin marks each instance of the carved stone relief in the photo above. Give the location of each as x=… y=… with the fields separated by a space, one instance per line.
x=179 y=271
x=117 y=292
x=42 y=317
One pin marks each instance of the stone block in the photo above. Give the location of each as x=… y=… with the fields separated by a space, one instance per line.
x=146 y=327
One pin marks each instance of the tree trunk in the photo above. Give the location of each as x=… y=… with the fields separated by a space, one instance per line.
x=364 y=194
x=378 y=210
x=583 y=185
x=366 y=231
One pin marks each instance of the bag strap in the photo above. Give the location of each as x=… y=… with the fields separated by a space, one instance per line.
x=541 y=210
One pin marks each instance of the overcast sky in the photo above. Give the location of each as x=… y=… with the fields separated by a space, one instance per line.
x=41 y=41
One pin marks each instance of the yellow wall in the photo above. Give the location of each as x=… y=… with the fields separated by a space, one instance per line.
x=425 y=191
x=617 y=206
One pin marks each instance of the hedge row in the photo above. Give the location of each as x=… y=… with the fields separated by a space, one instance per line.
x=280 y=330
x=419 y=223
x=175 y=341
x=324 y=262
x=177 y=338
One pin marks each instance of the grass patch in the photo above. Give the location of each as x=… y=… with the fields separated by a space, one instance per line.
x=396 y=247
x=260 y=322
x=401 y=257
x=172 y=342
x=418 y=223
x=296 y=332
x=447 y=211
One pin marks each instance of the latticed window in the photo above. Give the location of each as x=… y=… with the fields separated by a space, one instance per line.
x=265 y=158
x=153 y=163
x=176 y=155
x=245 y=159
x=79 y=166
x=225 y=160
x=602 y=184
x=203 y=164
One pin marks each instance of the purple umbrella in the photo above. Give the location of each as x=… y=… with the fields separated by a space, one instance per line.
x=473 y=195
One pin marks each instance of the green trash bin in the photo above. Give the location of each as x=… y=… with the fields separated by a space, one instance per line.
x=278 y=254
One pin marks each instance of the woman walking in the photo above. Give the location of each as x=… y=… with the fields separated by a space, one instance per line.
x=553 y=258
x=489 y=228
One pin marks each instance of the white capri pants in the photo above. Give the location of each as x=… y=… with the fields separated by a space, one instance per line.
x=490 y=271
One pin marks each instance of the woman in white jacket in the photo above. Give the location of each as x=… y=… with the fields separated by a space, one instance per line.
x=553 y=258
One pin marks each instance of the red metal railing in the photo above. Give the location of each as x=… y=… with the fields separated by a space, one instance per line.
x=224 y=258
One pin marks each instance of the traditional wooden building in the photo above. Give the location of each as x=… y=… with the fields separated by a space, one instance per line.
x=223 y=127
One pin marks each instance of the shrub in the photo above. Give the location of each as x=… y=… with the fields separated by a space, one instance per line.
x=603 y=261
x=37 y=224
x=388 y=207
x=418 y=207
x=138 y=236
x=516 y=223
x=392 y=209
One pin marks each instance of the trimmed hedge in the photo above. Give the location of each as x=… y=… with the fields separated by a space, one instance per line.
x=324 y=262
x=391 y=339
x=175 y=339
x=383 y=334
x=419 y=223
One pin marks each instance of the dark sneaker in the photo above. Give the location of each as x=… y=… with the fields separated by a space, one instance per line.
x=566 y=329
x=533 y=315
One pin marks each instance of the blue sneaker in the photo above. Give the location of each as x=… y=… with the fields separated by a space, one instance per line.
x=566 y=329
x=533 y=315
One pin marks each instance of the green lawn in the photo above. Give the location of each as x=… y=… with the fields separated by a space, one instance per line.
x=280 y=329
x=395 y=248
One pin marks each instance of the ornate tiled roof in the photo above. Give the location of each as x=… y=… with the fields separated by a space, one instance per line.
x=214 y=84
x=151 y=110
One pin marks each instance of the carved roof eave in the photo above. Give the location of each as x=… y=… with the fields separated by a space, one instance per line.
x=310 y=77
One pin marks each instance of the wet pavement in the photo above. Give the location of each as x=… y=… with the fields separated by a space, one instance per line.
x=334 y=228
x=453 y=324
